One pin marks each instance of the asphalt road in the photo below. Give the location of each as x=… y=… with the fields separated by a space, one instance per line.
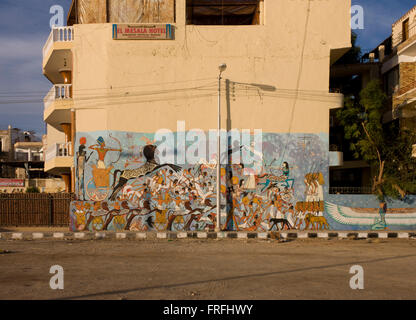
x=210 y=269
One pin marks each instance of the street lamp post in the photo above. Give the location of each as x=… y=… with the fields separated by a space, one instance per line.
x=222 y=68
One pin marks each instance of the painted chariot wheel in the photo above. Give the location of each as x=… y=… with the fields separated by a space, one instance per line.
x=97 y=223
x=97 y=194
x=178 y=224
x=161 y=221
x=119 y=222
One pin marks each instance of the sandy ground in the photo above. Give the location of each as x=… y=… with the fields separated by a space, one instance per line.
x=209 y=269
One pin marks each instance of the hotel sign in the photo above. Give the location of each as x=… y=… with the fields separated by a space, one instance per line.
x=142 y=32
x=17 y=183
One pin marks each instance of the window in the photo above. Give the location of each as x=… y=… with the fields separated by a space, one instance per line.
x=224 y=12
x=391 y=81
x=405 y=30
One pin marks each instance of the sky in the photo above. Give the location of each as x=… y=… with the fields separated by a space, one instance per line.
x=24 y=28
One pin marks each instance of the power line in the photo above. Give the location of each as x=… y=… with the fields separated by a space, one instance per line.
x=237 y=87
x=114 y=87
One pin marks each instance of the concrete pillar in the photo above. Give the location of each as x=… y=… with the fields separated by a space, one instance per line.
x=68 y=132
x=67 y=181
x=11 y=147
x=381 y=52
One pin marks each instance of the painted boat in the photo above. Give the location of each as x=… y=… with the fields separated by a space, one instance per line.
x=347 y=216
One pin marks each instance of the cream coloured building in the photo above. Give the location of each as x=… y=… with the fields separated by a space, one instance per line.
x=121 y=92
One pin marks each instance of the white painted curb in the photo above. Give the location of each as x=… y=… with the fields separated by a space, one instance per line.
x=162 y=235
x=242 y=235
x=202 y=235
x=182 y=235
x=121 y=236
x=37 y=235
x=17 y=236
x=79 y=235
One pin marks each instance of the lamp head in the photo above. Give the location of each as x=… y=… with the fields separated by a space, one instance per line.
x=222 y=67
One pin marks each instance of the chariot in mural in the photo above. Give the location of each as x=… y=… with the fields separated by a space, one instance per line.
x=98 y=187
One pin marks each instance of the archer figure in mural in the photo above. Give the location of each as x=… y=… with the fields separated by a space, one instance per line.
x=286 y=173
x=102 y=152
x=149 y=167
x=82 y=159
x=98 y=187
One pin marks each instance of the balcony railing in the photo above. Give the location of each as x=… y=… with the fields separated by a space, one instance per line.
x=350 y=190
x=406 y=88
x=398 y=38
x=406 y=94
x=59 y=150
x=58 y=34
x=58 y=92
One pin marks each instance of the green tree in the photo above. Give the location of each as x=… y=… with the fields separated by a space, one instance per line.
x=354 y=54
x=385 y=147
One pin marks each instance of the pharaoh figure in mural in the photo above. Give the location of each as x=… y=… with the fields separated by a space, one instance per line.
x=102 y=152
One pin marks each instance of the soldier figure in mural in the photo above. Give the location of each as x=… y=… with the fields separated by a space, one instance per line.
x=82 y=160
x=277 y=217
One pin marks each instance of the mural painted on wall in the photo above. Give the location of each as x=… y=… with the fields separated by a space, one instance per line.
x=121 y=185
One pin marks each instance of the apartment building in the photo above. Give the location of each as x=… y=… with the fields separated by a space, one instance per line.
x=398 y=58
x=17 y=147
x=132 y=80
x=22 y=163
x=393 y=64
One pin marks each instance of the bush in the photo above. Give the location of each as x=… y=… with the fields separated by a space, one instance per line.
x=32 y=190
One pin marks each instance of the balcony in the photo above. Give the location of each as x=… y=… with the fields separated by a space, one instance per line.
x=406 y=45
x=58 y=104
x=57 y=53
x=404 y=96
x=59 y=158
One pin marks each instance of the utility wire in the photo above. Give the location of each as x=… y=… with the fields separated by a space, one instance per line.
x=115 y=87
